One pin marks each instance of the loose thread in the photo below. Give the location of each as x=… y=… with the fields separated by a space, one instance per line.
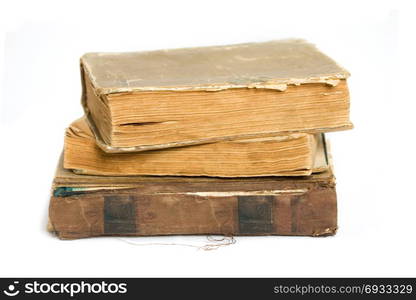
x=217 y=243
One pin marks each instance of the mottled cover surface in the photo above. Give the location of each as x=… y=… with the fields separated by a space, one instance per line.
x=272 y=64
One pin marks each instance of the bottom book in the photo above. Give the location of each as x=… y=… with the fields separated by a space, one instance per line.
x=87 y=206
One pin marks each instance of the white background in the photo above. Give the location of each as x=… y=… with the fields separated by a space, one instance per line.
x=374 y=163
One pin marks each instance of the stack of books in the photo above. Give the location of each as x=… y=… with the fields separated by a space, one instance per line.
x=213 y=140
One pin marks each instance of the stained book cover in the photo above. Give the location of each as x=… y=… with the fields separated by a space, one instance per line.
x=87 y=206
x=208 y=94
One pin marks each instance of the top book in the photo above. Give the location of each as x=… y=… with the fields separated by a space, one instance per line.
x=141 y=101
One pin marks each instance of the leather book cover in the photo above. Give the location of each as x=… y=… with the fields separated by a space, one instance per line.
x=87 y=206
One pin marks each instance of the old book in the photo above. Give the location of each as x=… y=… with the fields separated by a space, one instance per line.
x=86 y=205
x=290 y=155
x=160 y=99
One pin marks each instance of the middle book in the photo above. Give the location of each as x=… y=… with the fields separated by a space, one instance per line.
x=298 y=154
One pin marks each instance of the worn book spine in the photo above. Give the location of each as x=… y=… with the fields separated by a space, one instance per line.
x=291 y=209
